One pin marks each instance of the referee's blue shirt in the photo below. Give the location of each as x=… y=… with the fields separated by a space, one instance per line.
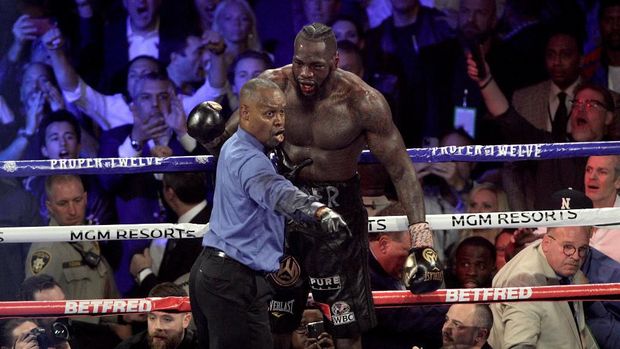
x=244 y=223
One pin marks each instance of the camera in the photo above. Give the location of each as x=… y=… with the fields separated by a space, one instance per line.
x=58 y=332
x=315 y=329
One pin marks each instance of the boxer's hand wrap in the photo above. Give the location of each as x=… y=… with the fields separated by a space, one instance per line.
x=286 y=167
x=421 y=235
x=331 y=222
x=422 y=271
x=205 y=124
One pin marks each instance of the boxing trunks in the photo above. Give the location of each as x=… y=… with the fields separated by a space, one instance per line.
x=335 y=270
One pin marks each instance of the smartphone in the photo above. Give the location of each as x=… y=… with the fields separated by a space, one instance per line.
x=476 y=53
x=315 y=329
x=42 y=25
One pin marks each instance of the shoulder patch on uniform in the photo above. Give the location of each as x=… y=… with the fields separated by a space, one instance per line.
x=39 y=260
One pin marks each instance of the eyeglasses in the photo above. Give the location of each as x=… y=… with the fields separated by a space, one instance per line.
x=587 y=104
x=302 y=329
x=570 y=250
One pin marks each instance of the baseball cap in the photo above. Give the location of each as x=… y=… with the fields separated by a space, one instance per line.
x=569 y=199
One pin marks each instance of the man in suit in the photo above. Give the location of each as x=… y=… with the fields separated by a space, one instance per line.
x=545 y=105
x=539 y=103
x=167 y=259
x=554 y=260
x=145 y=30
x=398 y=328
x=158 y=130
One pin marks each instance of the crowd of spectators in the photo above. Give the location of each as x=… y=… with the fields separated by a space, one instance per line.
x=97 y=78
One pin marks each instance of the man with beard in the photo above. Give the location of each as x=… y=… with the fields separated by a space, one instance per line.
x=332 y=115
x=449 y=88
x=166 y=330
x=467 y=326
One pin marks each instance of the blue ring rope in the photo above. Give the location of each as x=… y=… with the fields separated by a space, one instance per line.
x=477 y=153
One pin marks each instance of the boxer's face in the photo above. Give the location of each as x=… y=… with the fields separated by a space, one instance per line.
x=312 y=65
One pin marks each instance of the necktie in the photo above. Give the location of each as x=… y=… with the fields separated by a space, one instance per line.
x=560 y=119
x=566 y=281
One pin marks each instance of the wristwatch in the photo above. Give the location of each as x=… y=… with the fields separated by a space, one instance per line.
x=137 y=146
x=23 y=133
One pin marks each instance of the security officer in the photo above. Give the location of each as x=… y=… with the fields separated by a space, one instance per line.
x=79 y=267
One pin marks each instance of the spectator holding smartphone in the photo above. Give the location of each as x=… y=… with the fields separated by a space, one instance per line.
x=310 y=333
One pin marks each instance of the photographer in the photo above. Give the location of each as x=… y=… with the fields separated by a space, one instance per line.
x=311 y=333
x=26 y=334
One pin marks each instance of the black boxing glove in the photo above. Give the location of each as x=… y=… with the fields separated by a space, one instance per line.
x=286 y=167
x=422 y=271
x=206 y=125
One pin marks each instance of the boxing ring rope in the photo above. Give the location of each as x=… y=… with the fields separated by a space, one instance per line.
x=512 y=152
x=607 y=217
x=599 y=217
x=382 y=299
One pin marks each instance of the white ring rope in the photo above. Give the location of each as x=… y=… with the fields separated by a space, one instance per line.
x=599 y=217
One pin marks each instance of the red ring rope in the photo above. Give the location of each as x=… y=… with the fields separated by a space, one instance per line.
x=382 y=299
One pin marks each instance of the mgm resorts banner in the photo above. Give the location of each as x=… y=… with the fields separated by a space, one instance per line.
x=599 y=217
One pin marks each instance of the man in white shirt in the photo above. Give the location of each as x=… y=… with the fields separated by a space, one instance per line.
x=601 y=182
x=110 y=111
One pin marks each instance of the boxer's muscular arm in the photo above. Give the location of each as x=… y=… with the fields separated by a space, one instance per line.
x=387 y=145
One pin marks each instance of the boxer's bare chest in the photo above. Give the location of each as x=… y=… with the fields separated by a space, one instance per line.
x=327 y=124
